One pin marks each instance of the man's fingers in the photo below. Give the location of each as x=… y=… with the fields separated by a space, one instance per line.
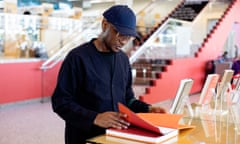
x=111 y=119
x=120 y=125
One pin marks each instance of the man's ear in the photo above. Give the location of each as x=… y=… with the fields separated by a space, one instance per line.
x=104 y=25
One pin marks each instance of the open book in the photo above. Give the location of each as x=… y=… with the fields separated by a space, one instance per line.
x=148 y=127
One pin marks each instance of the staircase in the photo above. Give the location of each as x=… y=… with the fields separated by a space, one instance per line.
x=145 y=71
x=189 y=10
x=155 y=81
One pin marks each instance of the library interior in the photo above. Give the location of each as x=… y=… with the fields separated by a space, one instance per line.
x=185 y=59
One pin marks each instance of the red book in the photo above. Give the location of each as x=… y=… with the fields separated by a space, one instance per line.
x=148 y=127
x=143 y=135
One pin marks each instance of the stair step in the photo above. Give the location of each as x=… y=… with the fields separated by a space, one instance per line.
x=139 y=90
x=149 y=69
x=189 y=10
x=148 y=74
x=153 y=61
x=147 y=65
x=143 y=81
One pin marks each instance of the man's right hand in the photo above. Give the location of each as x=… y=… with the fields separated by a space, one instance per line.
x=111 y=119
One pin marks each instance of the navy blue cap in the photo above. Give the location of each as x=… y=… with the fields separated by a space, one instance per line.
x=122 y=18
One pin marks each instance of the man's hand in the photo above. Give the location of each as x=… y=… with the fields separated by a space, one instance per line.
x=153 y=109
x=111 y=119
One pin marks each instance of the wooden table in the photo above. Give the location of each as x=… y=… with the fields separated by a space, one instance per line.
x=210 y=128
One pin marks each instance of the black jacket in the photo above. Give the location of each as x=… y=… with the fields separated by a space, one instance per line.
x=87 y=85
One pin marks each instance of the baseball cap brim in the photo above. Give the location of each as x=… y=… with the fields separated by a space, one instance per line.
x=126 y=31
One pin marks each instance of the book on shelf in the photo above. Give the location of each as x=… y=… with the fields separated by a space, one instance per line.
x=149 y=127
x=208 y=89
x=182 y=97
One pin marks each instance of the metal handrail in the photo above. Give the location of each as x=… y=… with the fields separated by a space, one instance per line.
x=67 y=38
x=143 y=47
x=146 y=7
x=149 y=41
x=52 y=61
x=56 y=57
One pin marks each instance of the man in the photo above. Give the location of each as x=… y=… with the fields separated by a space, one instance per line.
x=223 y=58
x=94 y=77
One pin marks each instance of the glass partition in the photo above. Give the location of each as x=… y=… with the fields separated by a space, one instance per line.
x=173 y=39
x=153 y=13
x=22 y=35
x=178 y=38
x=166 y=42
x=2 y=27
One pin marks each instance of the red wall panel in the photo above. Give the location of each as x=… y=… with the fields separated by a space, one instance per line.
x=19 y=81
x=25 y=81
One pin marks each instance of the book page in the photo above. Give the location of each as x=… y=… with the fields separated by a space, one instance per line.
x=151 y=121
x=137 y=121
x=162 y=120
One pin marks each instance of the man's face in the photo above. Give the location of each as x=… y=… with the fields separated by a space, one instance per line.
x=114 y=41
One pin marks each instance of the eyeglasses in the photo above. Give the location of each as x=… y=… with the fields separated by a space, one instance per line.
x=120 y=36
x=124 y=37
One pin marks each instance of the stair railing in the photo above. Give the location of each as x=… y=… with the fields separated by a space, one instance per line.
x=60 y=54
x=145 y=45
x=53 y=60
